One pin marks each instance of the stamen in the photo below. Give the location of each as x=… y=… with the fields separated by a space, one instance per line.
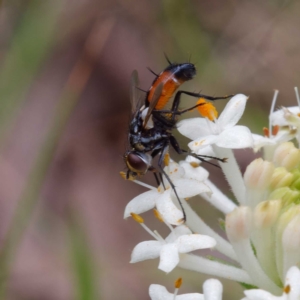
x=272 y=109
x=207 y=109
x=158 y=215
x=140 y=220
x=266 y=132
x=297 y=95
x=178 y=283
x=287 y=289
x=167 y=159
x=137 y=218
x=194 y=164
x=124 y=176
x=159 y=237
x=150 y=187
x=275 y=130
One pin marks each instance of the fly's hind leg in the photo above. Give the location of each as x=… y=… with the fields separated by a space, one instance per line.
x=202 y=158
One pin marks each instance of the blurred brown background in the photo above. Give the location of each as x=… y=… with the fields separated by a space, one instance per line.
x=53 y=53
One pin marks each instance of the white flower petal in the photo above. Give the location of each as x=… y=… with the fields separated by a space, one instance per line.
x=168 y=209
x=261 y=295
x=177 y=232
x=237 y=137
x=187 y=188
x=212 y=289
x=233 y=111
x=197 y=173
x=293 y=280
x=169 y=257
x=191 y=296
x=141 y=203
x=278 y=117
x=174 y=170
x=145 y=250
x=203 y=142
x=192 y=242
x=284 y=136
x=193 y=128
x=261 y=141
x=159 y=292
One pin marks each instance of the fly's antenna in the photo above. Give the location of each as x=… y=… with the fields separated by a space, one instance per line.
x=167 y=58
x=152 y=72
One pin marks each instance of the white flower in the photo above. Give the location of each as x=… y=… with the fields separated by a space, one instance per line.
x=159 y=292
x=286 y=116
x=186 y=186
x=222 y=132
x=180 y=240
x=223 y=135
x=262 y=223
x=212 y=290
x=282 y=130
x=291 y=289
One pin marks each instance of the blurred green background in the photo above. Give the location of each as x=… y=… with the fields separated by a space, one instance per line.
x=64 y=113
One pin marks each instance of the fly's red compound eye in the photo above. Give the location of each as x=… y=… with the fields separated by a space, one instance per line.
x=138 y=162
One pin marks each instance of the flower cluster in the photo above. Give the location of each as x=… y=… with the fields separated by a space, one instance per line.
x=262 y=222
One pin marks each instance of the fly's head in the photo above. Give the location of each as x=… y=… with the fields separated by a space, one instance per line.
x=137 y=163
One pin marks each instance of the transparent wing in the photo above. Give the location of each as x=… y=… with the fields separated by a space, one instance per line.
x=134 y=92
x=155 y=98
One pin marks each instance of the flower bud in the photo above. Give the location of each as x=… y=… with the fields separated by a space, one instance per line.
x=285 y=218
x=286 y=195
x=258 y=174
x=287 y=155
x=296 y=181
x=238 y=224
x=291 y=234
x=266 y=213
x=280 y=178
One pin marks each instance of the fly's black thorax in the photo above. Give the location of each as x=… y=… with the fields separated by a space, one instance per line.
x=145 y=140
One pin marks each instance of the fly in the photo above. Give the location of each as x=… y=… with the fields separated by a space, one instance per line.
x=151 y=126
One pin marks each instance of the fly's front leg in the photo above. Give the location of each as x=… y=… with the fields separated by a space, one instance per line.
x=152 y=169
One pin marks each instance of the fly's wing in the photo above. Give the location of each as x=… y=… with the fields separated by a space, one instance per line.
x=134 y=92
x=155 y=98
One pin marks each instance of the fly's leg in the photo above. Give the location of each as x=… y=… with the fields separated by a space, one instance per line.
x=177 y=148
x=176 y=102
x=155 y=172
x=156 y=177
x=160 y=165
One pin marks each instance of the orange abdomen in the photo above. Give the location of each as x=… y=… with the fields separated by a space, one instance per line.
x=170 y=85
